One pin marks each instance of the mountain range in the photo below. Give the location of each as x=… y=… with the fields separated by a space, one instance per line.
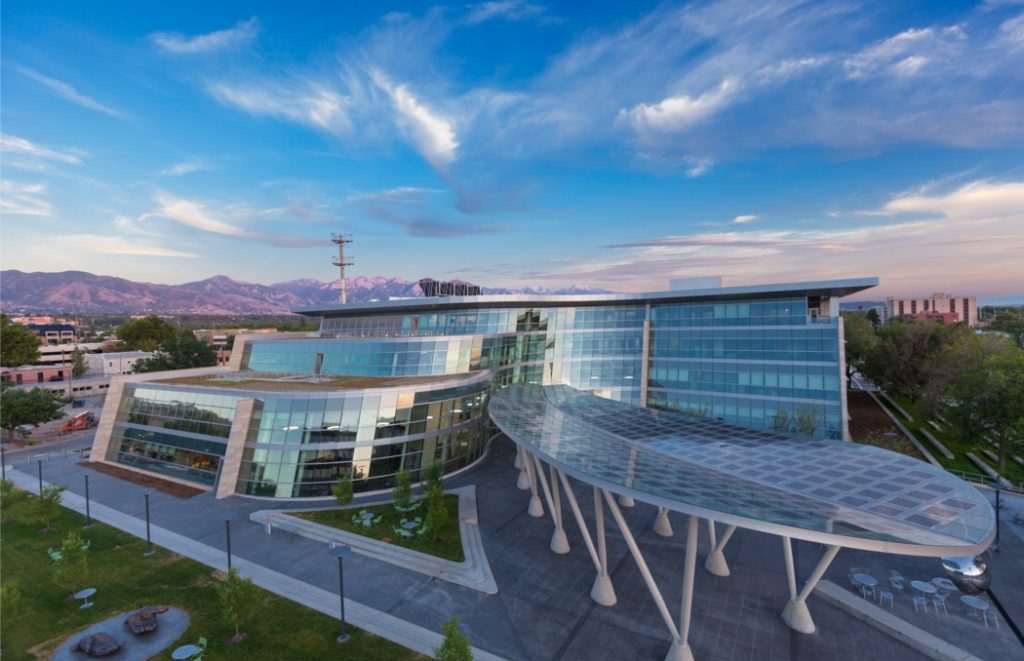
x=78 y=292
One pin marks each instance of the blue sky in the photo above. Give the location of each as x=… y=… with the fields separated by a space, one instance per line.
x=514 y=142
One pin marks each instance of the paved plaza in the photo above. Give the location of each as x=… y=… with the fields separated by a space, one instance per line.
x=543 y=609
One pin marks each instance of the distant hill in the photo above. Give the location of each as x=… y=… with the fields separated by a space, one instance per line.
x=86 y=293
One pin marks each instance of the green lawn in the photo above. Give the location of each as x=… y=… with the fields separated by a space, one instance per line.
x=449 y=543
x=126 y=581
x=960 y=462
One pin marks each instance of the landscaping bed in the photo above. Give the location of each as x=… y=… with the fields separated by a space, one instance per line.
x=869 y=424
x=143 y=480
x=126 y=580
x=448 y=545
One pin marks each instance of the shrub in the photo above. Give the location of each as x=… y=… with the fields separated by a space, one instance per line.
x=456 y=645
x=10 y=600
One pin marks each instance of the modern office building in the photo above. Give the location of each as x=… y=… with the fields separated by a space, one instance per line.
x=398 y=384
x=964 y=307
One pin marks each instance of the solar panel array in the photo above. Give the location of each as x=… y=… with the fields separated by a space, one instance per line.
x=683 y=461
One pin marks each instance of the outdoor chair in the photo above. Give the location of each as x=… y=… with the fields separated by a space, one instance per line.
x=377 y=519
x=896 y=585
x=883 y=596
x=990 y=615
x=200 y=649
x=939 y=601
x=920 y=602
x=895 y=574
x=866 y=590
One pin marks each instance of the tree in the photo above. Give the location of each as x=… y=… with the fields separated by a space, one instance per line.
x=78 y=366
x=873 y=317
x=28 y=407
x=402 y=491
x=146 y=334
x=977 y=383
x=8 y=497
x=342 y=489
x=48 y=504
x=898 y=360
x=437 y=512
x=433 y=476
x=240 y=602
x=18 y=345
x=859 y=333
x=455 y=646
x=10 y=600
x=183 y=351
x=72 y=568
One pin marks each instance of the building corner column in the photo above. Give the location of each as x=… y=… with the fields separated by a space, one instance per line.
x=231 y=464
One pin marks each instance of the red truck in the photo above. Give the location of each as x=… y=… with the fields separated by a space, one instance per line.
x=83 y=420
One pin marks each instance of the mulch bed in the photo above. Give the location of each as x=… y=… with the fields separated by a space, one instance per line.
x=148 y=481
x=867 y=418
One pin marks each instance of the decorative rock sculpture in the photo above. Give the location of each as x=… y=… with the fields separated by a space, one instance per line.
x=144 y=621
x=99 y=644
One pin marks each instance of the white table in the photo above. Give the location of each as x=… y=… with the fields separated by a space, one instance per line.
x=944 y=583
x=184 y=652
x=865 y=581
x=84 y=596
x=976 y=604
x=925 y=588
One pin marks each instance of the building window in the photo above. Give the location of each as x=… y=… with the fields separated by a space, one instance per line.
x=901 y=308
x=966 y=311
x=913 y=307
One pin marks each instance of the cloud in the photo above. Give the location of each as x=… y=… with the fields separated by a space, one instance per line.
x=300 y=101
x=28 y=155
x=68 y=92
x=431 y=133
x=906 y=54
x=196 y=215
x=508 y=10
x=398 y=195
x=186 y=167
x=972 y=238
x=24 y=199
x=117 y=245
x=745 y=218
x=177 y=43
x=678 y=113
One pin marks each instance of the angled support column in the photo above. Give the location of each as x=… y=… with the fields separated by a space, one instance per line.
x=536 y=509
x=680 y=650
x=627 y=501
x=559 y=542
x=662 y=526
x=715 y=562
x=518 y=463
x=603 y=592
x=603 y=579
x=645 y=572
x=796 y=613
x=523 y=482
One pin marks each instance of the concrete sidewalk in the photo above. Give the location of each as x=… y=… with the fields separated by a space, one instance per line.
x=369 y=619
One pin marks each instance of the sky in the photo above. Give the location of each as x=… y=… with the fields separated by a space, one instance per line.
x=514 y=143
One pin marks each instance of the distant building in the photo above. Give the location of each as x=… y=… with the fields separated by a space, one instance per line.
x=110 y=364
x=944 y=318
x=32 y=374
x=53 y=334
x=965 y=307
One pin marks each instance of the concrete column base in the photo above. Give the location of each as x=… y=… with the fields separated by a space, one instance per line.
x=603 y=591
x=680 y=651
x=798 y=617
x=715 y=564
x=519 y=460
x=662 y=526
x=536 y=509
x=559 y=542
x=524 y=480
x=626 y=501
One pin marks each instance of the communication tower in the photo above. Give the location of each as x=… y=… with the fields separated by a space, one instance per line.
x=340 y=261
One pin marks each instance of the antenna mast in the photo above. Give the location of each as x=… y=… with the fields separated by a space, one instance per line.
x=340 y=261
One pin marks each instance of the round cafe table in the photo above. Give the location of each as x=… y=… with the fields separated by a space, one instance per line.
x=925 y=588
x=84 y=596
x=184 y=652
x=866 y=582
x=976 y=604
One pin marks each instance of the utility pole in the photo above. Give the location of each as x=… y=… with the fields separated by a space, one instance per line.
x=340 y=261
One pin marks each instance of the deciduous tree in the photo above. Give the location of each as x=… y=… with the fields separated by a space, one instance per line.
x=342 y=490
x=146 y=334
x=27 y=407
x=48 y=504
x=183 y=351
x=240 y=602
x=859 y=334
x=72 y=569
x=18 y=345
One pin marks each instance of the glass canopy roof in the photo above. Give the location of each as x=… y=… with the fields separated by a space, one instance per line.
x=832 y=492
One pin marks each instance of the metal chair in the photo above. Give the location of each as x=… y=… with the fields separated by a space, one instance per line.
x=920 y=602
x=938 y=600
x=990 y=615
x=884 y=595
x=896 y=585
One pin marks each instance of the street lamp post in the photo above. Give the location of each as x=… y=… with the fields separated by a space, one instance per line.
x=149 y=540
x=227 y=531
x=40 y=462
x=3 y=461
x=88 y=515
x=339 y=552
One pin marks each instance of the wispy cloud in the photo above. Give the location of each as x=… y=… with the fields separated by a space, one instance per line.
x=24 y=199
x=117 y=245
x=744 y=219
x=27 y=155
x=398 y=195
x=678 y=113
x=68 y=91
x=226 y=221
x=177 y=43
x=907 y=53
x=300 y=101
x=507 y=10
x=183 y=168
x=431 y=133
x=972 y=236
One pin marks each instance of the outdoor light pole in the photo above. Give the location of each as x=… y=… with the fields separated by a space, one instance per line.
x=40 y=462
x=227 y=531
x=149 y=541
x=997 y=521
x=339 y=552
x=3 y=461
x=88 y=516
